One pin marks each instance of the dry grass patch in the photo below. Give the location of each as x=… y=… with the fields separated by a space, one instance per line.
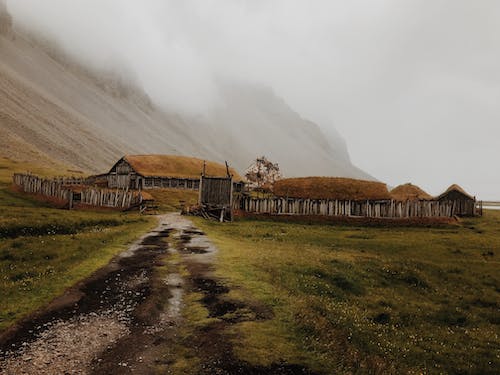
x=409 y=192
x=176 y=166
x=173 y=199
x=331 y=188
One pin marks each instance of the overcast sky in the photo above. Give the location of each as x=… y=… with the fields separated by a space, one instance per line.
x=413 y=86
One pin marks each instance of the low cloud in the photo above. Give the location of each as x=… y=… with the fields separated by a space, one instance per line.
x=413 y=86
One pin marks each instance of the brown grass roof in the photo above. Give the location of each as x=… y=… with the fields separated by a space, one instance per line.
x=331 y=188
x=409 y=192
x=176 y=166
x=456 y=188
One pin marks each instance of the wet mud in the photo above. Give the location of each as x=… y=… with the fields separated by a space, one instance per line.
x=110 y=302
x=213 y=343
x=123 y=318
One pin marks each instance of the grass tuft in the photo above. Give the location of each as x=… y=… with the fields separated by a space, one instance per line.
x=366 y=300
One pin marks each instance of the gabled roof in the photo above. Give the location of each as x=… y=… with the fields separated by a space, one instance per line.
x=331 y=188
x=176 y=166
x=458 y=189
x=409 y=192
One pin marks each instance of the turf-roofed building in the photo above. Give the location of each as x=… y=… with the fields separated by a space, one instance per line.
x=464 y=203
x=331 y=188
x=163 y=171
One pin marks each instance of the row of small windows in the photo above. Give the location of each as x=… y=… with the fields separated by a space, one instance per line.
x=171 y=182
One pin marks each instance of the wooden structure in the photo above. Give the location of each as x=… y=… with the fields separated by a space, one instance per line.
x=163 y=171
x=216 y=196
x=464 y=204
x=52 y=188
x=356 y=198
x=329 y=207
x=67 y=191
x=120 y=198
x=216 y=191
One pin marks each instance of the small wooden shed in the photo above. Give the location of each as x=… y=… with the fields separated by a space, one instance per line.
x=216 y=196
x=464 y=204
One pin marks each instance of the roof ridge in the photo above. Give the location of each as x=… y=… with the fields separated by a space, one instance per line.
x=180 y=166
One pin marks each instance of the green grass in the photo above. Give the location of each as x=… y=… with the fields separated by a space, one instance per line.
x=44 y=250
x=171 y=199
x=367 y=300
x=9 y=166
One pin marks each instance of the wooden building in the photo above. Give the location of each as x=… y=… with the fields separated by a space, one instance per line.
x=164 y=171
x=464 y=204
x=336 y=196
x=216 y=197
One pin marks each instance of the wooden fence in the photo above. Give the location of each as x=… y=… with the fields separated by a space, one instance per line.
x=375 y=209
x=36 y=185
x=61 y=189
x=109 y=198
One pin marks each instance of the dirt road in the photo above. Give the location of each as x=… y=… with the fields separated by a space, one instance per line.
x=127 y=318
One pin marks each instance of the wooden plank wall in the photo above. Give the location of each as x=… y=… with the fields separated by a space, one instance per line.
x=376 y=209
x=110 y=198
x=36 y=185
x=216 y=191
x=57 y=188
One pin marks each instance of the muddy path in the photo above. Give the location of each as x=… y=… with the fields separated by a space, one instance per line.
x=127 y=317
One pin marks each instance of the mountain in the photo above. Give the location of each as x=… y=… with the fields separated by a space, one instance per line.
x=54 y=109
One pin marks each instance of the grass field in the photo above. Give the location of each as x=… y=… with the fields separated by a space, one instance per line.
x=367 y=300
x=44 y=250
x=172 y=199
x=344 y=299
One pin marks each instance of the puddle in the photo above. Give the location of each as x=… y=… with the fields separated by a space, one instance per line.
x=88 y=318
x=121 y=319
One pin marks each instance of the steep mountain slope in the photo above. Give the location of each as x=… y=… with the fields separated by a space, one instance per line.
x=53 y=109
x=257 y=122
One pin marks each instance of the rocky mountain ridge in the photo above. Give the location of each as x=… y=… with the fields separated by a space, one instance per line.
x=52 y=108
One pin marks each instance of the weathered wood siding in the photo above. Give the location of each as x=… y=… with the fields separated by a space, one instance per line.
x=170 y=182
x=122 y=176
x=110 y=198
x=35 y=185
x=463 y=205
x=216 y=191
x=57 y=188
x=376 y=209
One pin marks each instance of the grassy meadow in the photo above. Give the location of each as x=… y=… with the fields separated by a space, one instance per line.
x=367 y=300
x=344 y=299
x=171 y=199
x=44 y=250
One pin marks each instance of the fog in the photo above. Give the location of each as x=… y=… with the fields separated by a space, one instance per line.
x=413 y=86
